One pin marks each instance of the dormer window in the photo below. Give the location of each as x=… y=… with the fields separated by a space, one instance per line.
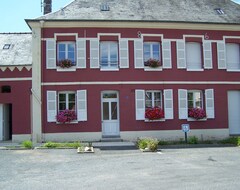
x=6 y=46
x=219 y=11
x=104 y=7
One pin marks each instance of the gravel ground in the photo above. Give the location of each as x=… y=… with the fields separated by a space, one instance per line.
x=192 y=168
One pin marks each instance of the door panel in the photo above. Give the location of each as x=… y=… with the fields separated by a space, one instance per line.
x=110 y=114
x=234 y=112
x=1 y=122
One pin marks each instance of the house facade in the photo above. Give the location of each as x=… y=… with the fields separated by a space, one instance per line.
x=106 y=69
x=15 y=86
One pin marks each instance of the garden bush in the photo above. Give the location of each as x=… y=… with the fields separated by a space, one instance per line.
x=148 y=143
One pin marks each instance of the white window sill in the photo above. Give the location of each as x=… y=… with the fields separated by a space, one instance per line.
x=152 y=69
x=70 y=69
x=72 y=122
x=195 y=69
x=109 y=69
x=155 y=120
x=192 y=119
x=233 y=70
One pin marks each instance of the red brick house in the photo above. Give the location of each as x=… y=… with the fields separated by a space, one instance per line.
x=131 y=69
x=15 y=86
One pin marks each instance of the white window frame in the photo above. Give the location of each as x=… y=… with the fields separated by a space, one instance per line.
x=153 y=98
x=230 y=57
x=194 y=98
x=66 y=100
x=151 y=50
x=109 y=66
x=187 y=61
x=66 y=51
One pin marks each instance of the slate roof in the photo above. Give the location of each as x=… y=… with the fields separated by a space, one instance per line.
x=20 y=49
x=200 y=11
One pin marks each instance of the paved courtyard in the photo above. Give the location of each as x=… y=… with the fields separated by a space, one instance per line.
x=198 y=168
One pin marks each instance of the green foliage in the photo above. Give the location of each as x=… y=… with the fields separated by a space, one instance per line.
x=27 y=144
x=164 y=143
x=231 y=140
x=193 y=140
x=148 y=143
x=62 y=145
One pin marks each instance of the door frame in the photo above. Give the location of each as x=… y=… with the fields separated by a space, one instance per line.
x=118 y=114
x=5 y=122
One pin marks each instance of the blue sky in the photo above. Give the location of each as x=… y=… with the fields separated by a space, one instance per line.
x=13 y=13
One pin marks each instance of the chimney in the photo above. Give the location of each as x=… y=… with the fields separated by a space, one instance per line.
x=47 y=6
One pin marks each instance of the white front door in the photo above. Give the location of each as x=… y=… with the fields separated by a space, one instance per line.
x=110 y=113
x=234 y=112
x=1 y=122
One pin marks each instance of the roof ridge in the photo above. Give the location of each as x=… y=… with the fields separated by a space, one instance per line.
x=15 y=33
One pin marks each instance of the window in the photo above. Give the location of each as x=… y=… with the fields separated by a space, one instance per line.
x=66 y=100
x=195 y=99
x=73 y=101
x=196 y=103
x=149 y=104
x=109 y=55
x=219 y=11
x=153 y=99
x=233 y=56
x=151 y=51
x=193 y=56
x=66 y=50
x=6 y=89
x=6 y=46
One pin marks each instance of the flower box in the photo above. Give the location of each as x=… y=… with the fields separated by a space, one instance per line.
x=66 y=116
x=153 y=63
x=65 y=63
x=154 y=114
x=197 y=114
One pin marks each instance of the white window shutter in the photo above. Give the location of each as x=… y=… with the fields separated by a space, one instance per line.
x=140 y=104
x=51 y=106
x=209 y=101
x=51 y=54
x=94 y=53
x=138 y=54
x=181 y=57
x=82 y=105
x=168 y=103
x=166 y=54
x=123 y=49
x=221 y=55
x=207 y=54
x=182 y=104
x=81 y=53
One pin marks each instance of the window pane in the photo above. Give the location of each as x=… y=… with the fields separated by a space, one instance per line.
x=72 y=106
x=61 y=55
x=155 y=47
x=190 y=100
x=62 y=106
x=71 y=47
x=110 y=95
x=105 y=111
x=62 y=97
x=71 y=97
x=61 y=47
x=114 y=110
x=157 y=99
x=198 y=100
x=146 y=50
